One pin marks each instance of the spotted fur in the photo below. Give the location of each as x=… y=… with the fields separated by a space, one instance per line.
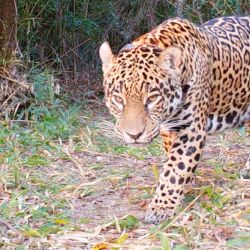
x=180 y=81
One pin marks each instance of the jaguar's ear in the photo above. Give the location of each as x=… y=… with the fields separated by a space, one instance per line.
x=106 y=56
x=171 y=57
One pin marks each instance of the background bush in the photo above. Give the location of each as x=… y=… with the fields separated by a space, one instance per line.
x=65 y=34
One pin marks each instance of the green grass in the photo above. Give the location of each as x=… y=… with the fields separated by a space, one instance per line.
x=60 y=175
x=42 y=182
x=35 y=183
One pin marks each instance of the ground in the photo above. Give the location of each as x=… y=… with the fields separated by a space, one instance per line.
x=89 y=191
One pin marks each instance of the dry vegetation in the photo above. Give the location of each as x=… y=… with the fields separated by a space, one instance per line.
x=91 y=192
x=65 y=181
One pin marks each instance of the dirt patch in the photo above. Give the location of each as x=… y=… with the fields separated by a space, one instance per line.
x=89 y=186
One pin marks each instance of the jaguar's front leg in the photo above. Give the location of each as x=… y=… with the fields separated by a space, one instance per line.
x=168 y=138
x=178 y=170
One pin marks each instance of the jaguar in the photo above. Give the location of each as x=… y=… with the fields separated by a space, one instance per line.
x=180 y=81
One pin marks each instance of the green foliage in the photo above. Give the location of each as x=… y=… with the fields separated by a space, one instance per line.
x=216 y=199
x=165 y=242
x=239 y=243
x=67 y=34
x=46 y=119
x=181 y=247
x=130 y=222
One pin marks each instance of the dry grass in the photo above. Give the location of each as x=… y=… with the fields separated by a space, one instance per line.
x=90 y=192
x=14 y=90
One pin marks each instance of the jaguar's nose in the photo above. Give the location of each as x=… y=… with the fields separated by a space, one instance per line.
x=135 y=136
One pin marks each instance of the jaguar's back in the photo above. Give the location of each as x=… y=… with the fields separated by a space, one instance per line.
x=230 y=101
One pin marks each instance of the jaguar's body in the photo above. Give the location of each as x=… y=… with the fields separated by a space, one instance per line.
x=180 y=81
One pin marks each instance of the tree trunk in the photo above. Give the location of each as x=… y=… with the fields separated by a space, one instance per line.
x=8 y=29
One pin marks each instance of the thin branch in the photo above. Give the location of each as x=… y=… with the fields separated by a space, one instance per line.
x=22 y=83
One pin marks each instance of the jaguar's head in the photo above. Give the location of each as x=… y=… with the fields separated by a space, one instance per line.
x=142 y=87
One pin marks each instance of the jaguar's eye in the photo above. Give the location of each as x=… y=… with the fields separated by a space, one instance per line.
x=152 y=101
x=152 y=98
x=117 y=99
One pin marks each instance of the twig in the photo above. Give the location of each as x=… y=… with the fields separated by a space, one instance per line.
x=8 y=225
x=17 y=121
x=9 y=97
x=79 y=165
x=86 y=184
x=181 y=213
x=23 y=84
x=100 y=228
x=80 y=44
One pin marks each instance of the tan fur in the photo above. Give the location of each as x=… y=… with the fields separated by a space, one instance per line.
x=180 y=81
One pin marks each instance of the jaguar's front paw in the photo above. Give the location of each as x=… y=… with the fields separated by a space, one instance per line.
x=157 y=213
